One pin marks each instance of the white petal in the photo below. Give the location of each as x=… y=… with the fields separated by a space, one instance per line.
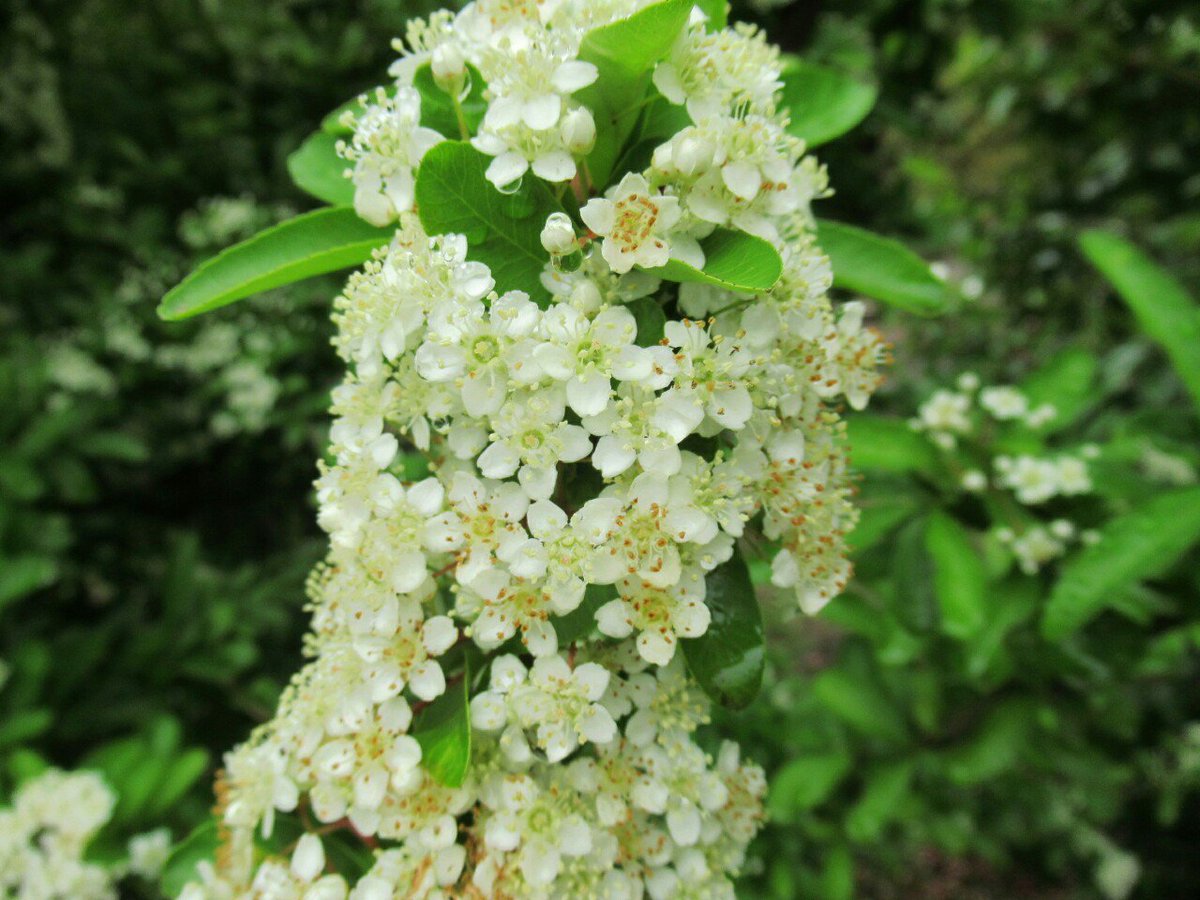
x=588 y=395
x=498 y=461
x=427 y=680
x=439 y=634
x=540 y=113
x=506 y=168
x=596 y=724
x=592 y=678
x=599 y=215
x=613 y=619
x=742 y=179
x=573 y=75
x=656 y=647
x=308 y=860
x=555 y=166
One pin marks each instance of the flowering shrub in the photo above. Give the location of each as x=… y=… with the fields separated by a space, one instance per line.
x=590 y=350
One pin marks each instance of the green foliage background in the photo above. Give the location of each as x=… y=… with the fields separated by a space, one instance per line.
x=155 y=518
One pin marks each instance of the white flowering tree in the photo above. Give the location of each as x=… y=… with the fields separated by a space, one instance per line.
x=590 y=349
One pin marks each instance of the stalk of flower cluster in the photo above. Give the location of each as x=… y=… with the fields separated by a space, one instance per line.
x=566 y=459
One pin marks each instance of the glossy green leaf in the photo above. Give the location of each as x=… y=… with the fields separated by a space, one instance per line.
x=315 y=243
x=733 y=260
x=882 y=269
x=805 y=782
x=888 y=445
x=317 y=169
x=503 y=230
x=625 y=53
x=437 y=107
x=1164 y=310
x=727 y=659
x=443 y=729
x=581 y=620
x=823 y=103
x=197 y=847
x=1132 y=547
x=960 y=581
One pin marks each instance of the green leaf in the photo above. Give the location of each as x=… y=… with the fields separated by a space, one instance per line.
x=317 y=169
x=185 y=770
x=625 y=53
x=805 y=782
x=180 y=867
x=651 y=320
x=1068 y=383
x=880 y=515
x=733 y=260
x=315 y=243
x=996 y=747
x=727 y=659
x=823 y=103
x=20 y=576
x=1132 y=547
x=860 y=702
x=24 y=725
x=882 y=269
x=837 y=874
x=886 y=787
x=1164 y=310
x=960 y=582
x=437 y=106
x=888 y=445
x=443 y=729
x=581 y=620
x=503 y=231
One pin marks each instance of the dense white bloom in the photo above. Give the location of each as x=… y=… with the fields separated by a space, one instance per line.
x=45 y=833
x=535 y=480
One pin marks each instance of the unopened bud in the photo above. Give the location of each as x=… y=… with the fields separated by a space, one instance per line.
x=449 y=69
x=579 y=131
x=558 y=235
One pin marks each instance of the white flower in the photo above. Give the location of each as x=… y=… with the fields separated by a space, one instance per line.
x=481 y=350
x=1004 y=402
x=531 y=434
x=389 y=143
x=633 y=223
x=585 y=355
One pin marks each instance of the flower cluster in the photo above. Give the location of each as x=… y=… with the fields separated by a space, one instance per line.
x=573 y=463
x=968 y=421
x=46 y=831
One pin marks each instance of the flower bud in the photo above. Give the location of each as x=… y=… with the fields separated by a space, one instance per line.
x=579 y=131
x=558 y=236
x=449 y=69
